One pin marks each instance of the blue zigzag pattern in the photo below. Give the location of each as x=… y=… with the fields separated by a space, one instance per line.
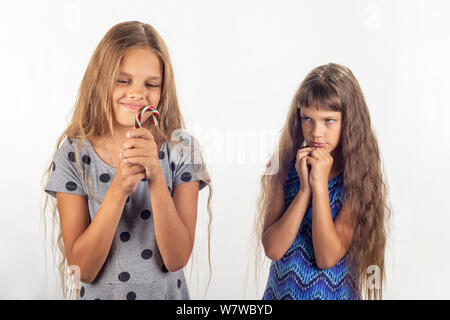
x=296 y=275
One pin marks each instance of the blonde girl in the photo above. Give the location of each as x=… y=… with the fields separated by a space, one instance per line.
x=322 y=215
x=126 y=198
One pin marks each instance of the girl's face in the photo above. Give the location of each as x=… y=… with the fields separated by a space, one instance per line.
x=138 y=84
x=321 y=128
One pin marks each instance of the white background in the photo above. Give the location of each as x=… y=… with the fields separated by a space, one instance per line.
x=237 y=65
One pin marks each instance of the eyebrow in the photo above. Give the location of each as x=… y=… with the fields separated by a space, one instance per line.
x=121 y=73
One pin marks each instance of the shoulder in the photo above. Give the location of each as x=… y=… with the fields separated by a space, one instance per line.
x=183 y=147
x=72 y=145
x=72 y=151
x=66 y=150
x=66 y=174
x=186 y=160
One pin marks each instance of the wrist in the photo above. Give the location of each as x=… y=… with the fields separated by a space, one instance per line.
x=157 y=178
x=118 y=193
x=321 y=189
x=305 y=191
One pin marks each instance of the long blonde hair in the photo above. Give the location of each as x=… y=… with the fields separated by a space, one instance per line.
x=335 y=87
x=93 y=115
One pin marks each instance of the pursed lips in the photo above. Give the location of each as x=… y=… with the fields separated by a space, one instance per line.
x=318 y=144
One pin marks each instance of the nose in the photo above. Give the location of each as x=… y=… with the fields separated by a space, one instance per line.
x=317 y=131
x=135 y=92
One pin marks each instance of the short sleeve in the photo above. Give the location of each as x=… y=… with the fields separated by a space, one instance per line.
x=187 y=162
x=65 y=175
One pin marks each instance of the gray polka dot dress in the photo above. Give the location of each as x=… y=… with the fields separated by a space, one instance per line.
x=134 y=268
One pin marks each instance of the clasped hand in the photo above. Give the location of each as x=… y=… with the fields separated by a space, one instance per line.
x=320 y=161
x=141 y=149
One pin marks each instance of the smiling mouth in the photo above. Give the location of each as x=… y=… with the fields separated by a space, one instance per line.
x=131 y=106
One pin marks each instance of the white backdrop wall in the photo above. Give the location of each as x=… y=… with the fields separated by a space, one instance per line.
x=237 y=65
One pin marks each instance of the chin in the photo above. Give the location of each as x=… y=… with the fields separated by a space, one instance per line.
x=124 y=123
x=124 y=119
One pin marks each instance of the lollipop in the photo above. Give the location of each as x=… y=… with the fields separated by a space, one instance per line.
x=154 y=116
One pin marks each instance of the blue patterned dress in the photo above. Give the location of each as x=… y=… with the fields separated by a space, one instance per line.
x=296 y=276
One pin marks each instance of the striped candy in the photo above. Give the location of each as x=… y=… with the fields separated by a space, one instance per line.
x=140 y=113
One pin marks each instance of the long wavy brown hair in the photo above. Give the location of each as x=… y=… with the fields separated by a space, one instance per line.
x=93 y=117
x=335 y=87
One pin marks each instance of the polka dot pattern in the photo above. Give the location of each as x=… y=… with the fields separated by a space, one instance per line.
x=105 y=178
x=124 y=276
x=146 y=254
x=145 y=214
x=131 y=295
x=136 y=218
x=71 y=156
x=125 y=236
x=186 y=176
x=86 y=159
x=71 y=186
x=185 y=142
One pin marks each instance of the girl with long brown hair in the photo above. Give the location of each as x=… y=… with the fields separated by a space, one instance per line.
x=322 y=216
x=126 y=198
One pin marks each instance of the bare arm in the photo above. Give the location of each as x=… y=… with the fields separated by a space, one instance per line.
x=174 y=218
x=280 y=229
x=87 y=244
x=331 y=239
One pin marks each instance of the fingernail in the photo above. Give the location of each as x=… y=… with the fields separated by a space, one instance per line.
x=128 y=134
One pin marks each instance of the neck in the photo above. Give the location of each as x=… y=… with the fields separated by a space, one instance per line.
x=118 y=137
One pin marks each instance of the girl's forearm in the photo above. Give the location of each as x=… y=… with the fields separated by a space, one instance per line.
x=90 y=250
x=326 y=242
x=172 y=235
x=279 y=236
